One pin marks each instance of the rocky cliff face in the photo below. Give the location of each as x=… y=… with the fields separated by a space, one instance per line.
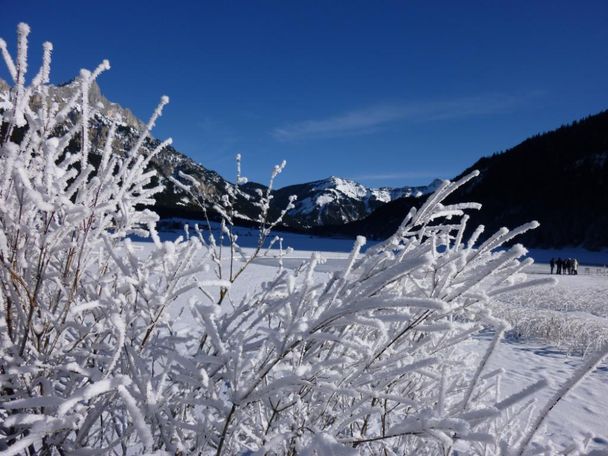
x=62 y=93
x=168 y=163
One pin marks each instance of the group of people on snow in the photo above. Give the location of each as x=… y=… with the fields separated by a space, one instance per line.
x=564 y=266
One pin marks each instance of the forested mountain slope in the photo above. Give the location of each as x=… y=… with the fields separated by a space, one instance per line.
x=559 y=178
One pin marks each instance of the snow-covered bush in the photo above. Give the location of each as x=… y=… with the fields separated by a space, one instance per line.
x=571 y=317
x=217 y=240
x=369 y=360
x=82 y=311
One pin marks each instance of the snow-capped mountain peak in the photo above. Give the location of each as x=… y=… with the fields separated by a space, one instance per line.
x=335 y=200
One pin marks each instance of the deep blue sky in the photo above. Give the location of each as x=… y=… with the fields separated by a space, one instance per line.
x=386 y=92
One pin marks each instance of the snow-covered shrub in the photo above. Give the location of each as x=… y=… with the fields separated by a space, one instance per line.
x=81 y=311
x=370 y=360
x=571 y=317
x=217 y=240
x=575 y=334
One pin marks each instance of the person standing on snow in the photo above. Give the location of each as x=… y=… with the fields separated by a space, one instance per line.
x=559 y=264
x=552 y=264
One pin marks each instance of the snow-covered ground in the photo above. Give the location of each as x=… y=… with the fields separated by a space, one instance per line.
x=248 y=237
x=572 y=315
x=552 y=326
x=556 y=324
x=305 y=242
x=583 y=412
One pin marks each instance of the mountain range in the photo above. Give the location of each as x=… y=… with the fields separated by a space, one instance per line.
x=559 y=178
x=335 y=201
x=331 y=201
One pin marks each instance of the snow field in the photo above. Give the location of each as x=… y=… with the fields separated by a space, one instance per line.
x=554 y=325
x=572 y=315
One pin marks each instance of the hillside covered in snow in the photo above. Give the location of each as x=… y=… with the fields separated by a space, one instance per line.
x=336 y=201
